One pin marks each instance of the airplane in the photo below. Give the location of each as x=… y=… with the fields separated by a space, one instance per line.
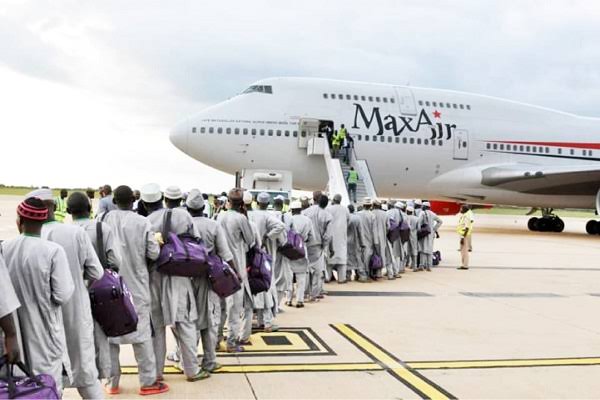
x=443 y=145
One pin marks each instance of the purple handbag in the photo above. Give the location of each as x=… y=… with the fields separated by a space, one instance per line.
x=398 y=231
x=223 y=279
x=181 y=255
x=259 y=270
x=294 y=248
x=112 y=305
x=375 y=263
x=29 y=386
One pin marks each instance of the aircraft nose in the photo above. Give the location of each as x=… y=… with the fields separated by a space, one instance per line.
x=179 y=137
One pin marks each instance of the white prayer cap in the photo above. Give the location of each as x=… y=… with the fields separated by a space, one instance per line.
x=367 y=201
x=263 y=198
x=223 y=199
x=295 y=205
x=418 y=202
x=150 y=193
x=247 y=198
x=173 y=193
x=410 y=208
x=400 y=204
x=194 y=200
x=42 y=194
x=426 y=204
x=279 y=197
x=377 y=202
x=384 y=206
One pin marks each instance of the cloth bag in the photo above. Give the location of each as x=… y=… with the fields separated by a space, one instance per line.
x=26 y=387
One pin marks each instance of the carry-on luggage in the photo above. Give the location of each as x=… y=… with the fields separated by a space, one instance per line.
x=437 y=257
x=182 y=255
x=29 y=386
x=259 y=270
x=375 y=264
x=294 y=249
x=223 y=279
x=399 y=230
x=112 y=305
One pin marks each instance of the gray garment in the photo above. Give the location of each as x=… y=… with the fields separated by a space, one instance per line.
x=41 y=277
x=339 y=234
x=137 y=244
x=356 y=243
x=102 y=349
x=8 y=301
x=381 y=223
x=208 y=335
x=321 y=220
x=239 y=317
x=240 y=238
x=397 y=248
x=93 y=391
x=322 y=228
x=341 y=270
x=106 y=204
x=77 y=312
x=367 y=220
x=426 y=243
x=302 y=225
x=300 y=288
x=144 y=356
x=186 y=334
x=412 y=244
x=111 y=246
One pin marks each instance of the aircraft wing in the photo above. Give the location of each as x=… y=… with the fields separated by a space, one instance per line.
x=583 y=180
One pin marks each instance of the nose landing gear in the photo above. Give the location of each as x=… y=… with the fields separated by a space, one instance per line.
x=548 y=223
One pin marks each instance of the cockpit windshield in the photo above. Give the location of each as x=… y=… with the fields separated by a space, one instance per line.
x=260 y=89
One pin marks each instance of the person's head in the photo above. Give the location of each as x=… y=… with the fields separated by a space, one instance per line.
x=123 y=197
x=151 y=196
x=351 y=208
x=107 y=190
x=418 y=204
x=296 y=207
x=64 y=193
x=323 y=201
x=316 y=196
x=464 y=208
x=426 y=205
x=337 y=199
x=236 y=199
x=31 y=215
x=173 y=197
x=305 y=202
x=136 y=194
x=342 y=125
x=78 y=205
x=376 y=204
x=90 y=194
x=351 y=168
x=278 y=203
x=410 y=210
x=263 y=200
x=248 y=199
x=47 y=197
x=367 y=203
x=195 y=203
x=286 y=201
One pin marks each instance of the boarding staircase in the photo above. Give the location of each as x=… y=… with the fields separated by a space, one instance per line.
x=337 y=168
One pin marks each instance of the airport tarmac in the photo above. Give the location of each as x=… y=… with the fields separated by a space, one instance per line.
x=521 y=323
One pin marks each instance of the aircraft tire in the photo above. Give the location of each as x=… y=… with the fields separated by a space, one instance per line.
x=558 y=225
x=591 y=227
x=544 y=225
x=532 y=224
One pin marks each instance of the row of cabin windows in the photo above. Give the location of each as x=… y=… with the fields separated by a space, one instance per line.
x=439 y=104
x=356 y=97
x=532 y=149
x=285 y=133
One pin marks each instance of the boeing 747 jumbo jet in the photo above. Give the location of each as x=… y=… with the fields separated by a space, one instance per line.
x=409 y=142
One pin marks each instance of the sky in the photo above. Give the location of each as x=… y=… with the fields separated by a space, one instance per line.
x=90 y=89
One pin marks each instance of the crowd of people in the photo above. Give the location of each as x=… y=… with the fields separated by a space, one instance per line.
x=45 y=273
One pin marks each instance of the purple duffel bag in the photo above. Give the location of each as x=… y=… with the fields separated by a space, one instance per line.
x=398 y=231
x=259 y=270
x=375 y=263
x=294 y=249
x=181 y=255
x=112 y=305
x=223 y=279
x=26 y=387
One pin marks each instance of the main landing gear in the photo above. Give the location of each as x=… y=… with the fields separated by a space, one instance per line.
x=549 y=222
x=593 y=227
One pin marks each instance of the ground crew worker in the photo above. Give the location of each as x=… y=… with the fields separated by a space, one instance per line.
x=286 y=205
x=60 y=203
x=139 y=245
x=352 y=180
x=77 y=313
x=338 y=139
x=40 y=275
x=465 y=230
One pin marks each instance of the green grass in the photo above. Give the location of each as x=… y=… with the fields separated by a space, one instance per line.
x=523 y=211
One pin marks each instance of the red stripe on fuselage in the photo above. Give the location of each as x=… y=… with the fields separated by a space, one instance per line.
x=553 y=144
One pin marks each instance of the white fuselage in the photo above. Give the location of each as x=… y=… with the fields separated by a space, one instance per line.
x=393 y=127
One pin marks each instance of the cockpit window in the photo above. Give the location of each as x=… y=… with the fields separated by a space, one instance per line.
x=260 y=89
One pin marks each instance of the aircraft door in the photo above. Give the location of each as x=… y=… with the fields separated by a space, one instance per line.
x=307 y=129
x=406 y=101
x=461 y=144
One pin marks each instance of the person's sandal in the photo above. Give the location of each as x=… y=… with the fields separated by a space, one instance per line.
x=157 y=388
x=199 y=376
x=112 y=391
x=235 y=349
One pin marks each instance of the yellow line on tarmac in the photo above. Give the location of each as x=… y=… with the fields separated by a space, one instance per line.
x=418 y=383
x=265 y=368
x=516 y=363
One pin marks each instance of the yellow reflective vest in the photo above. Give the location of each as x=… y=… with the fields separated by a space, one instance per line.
x=465 y=221
x=61 y=209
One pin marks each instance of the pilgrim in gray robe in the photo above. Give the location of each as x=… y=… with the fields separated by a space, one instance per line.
x=338 y=257
x=356 y=245
x=302 y=225
x=425 y=245
x=321 y=220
